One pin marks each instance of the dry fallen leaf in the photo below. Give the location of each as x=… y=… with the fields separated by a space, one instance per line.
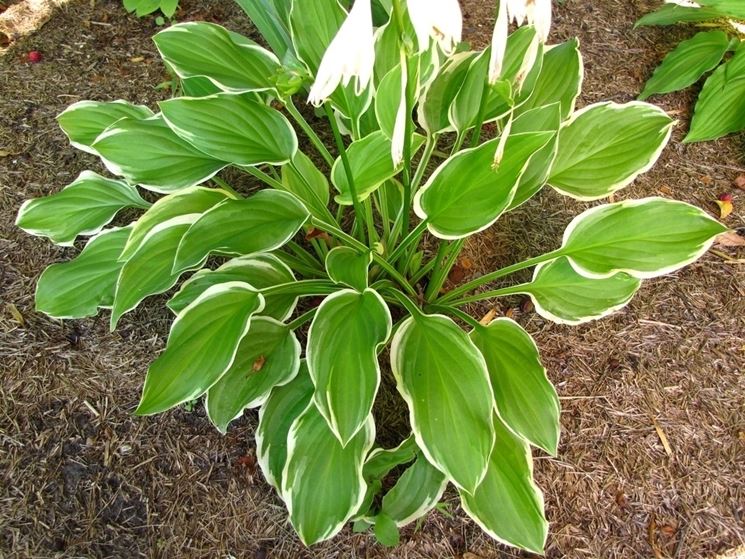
x=258 y=364
x=16 y=314
x=726 y=205
x=466 y=263
x=317 y=234
x=740 y=182
x=488 y=317
x=457 y=274
x=665 y=190
x=730 y=239
x=663 y=438
x=621 y=499
x=706 y=179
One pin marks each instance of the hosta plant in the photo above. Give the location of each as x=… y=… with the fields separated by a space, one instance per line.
x=434 y=142
x=720 y=109
x=142 y=8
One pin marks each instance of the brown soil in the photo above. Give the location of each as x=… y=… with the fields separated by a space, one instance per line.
x=82 y=477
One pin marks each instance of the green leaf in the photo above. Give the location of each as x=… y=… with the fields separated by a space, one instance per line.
x=731 y=8
x=83 y=207
x=322 y=481
x=371 y=163
x=562 y=295
x=605 y=146
x=508 y=505
x=381 y=461
x=259 y=270
x=348 y=266
x=342 y=354
x=270 y=18
x=261 y=223
x=690 y=60
x=201 y=346
x=645 y=238
x=388 y=100
x=434 y=106
x=464 y=110
x=149 y=153
x=282 y=408
x=313 y=26
x=669 y=14
x=720 y=109
x=77 y=289
x=501 y=97
x=466 y=194
x=232 y=127
x=198 y=86
x=308 y=183
x=231 y=62
x=535 y=176
x=416 y=493
x=168 y=7
x=84 y=121
x=560 y=79
x=386 y=531
x=195 y=200
x=443 y=378
x=149 y=271
x=268 y=356
x=526 y=399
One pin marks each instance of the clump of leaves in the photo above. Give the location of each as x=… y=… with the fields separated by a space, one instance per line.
x=142 y=8
x=720 y=109
x=400 y=99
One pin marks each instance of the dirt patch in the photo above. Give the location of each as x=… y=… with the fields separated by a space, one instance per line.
x=83 y=477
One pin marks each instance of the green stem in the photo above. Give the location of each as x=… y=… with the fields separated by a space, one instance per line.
x=426 y=269
x=225 y=186
x=406 y=210
x=458 y=314
x=345 y=161
x=264 y=177
x=302 y=288
x=460 y=138
x=304 y=255
x=372 y=234
x=438 y=278
x=480 y=117
x=379 y=260
x=488 y=278
x=412 y=237
x=299 y=265
x=301 y=320
x=504 y=292
x=407 y=303
x=429 y=149
x=320 y=203
x=308 y=129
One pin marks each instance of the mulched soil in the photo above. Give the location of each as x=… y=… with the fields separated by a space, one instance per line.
x=81 y=476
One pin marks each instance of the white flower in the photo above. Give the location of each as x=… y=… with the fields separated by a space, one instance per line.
x=351 y=54
x=498 y=43
x=539 y=15
x=499 y=154
x=440 y=19
x=399 y=128
x=739 y=27
x=531 y=55
x=684 y=3
x=536 y=12
x=517 y=10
